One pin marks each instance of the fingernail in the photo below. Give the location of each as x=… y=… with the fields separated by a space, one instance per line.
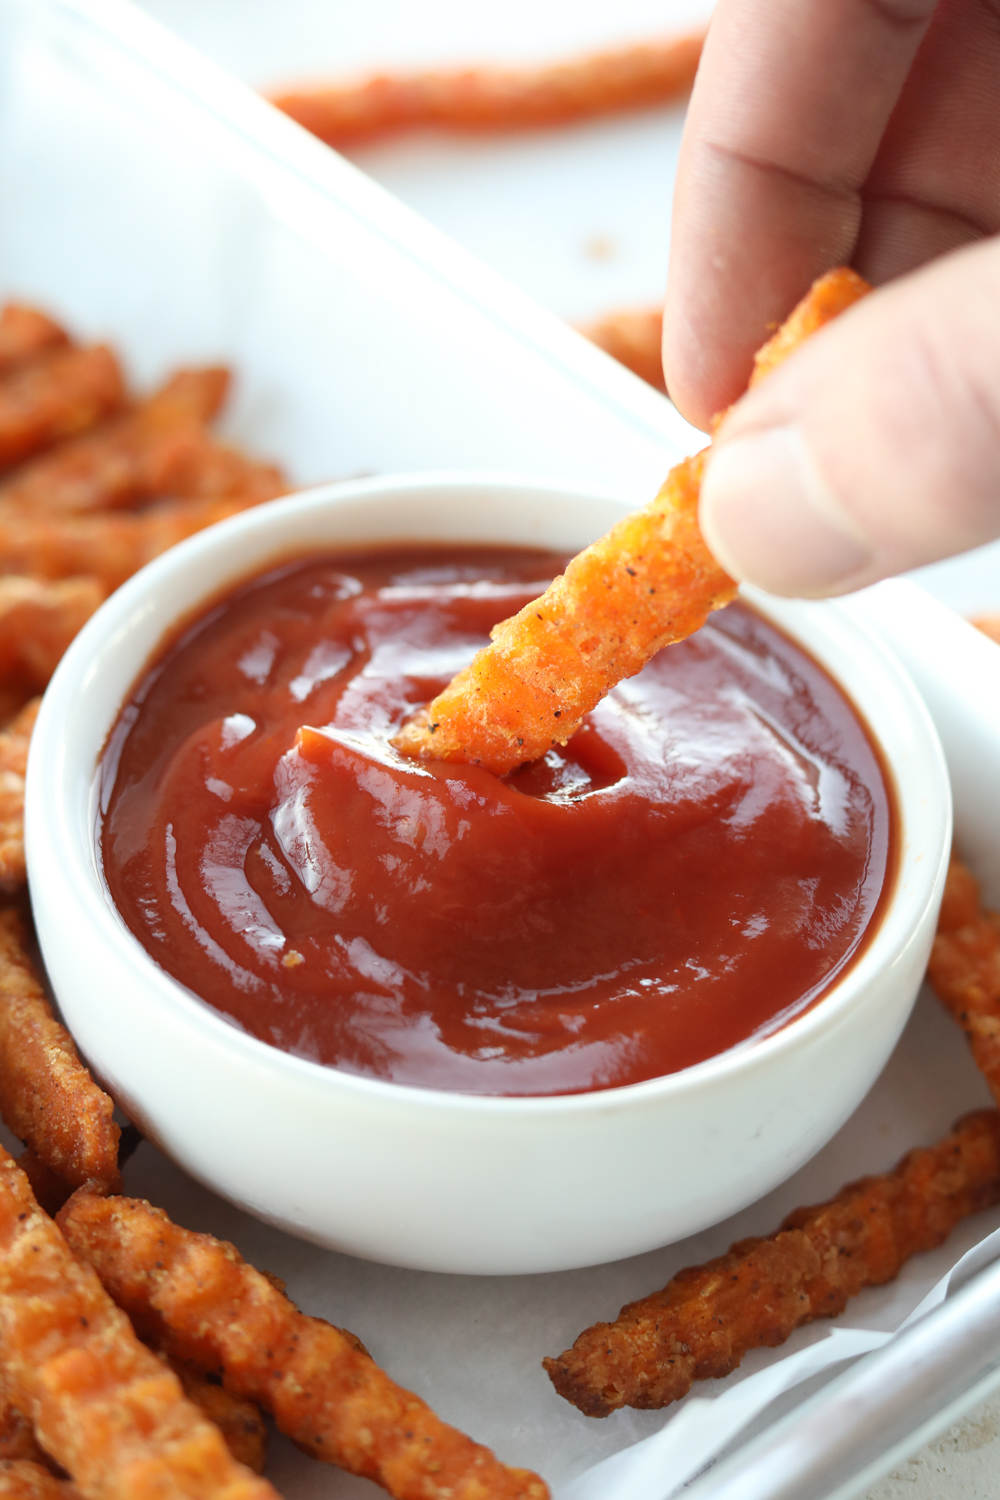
x=770 y=517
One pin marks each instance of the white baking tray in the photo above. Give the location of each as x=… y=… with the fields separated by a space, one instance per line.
x=147 y=197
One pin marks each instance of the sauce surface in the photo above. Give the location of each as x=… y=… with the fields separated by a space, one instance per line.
x=691 y=871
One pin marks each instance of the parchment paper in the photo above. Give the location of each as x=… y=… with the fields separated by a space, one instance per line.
x=133 y=211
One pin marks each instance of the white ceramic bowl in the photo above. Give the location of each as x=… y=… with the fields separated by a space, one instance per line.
x=416 y=1177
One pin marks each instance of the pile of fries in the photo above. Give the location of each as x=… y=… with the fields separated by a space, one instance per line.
x=137 y=1358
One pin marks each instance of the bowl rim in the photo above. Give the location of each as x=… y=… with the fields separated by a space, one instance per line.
x=51 y=771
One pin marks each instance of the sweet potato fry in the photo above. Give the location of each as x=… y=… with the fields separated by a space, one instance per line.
x=632 y=338
x=17 y=1439
x=703 y=1322
x=827 y=299
x=47 y=1097
x=14 y=741
x=240 y=1422
x=964 y=969
x=55 y=397
x=22 y=1479
x=26 y=333
x=495 y=100
x=197 y=1298
x=152 y=451
x=989 y=625
x=101 y=1403
x=110 y=548
x=649 y=582
x=37 y=622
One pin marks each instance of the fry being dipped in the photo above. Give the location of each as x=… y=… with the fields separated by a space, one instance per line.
x=649 y=582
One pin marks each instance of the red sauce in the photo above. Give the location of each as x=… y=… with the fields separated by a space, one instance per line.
x=696 y=866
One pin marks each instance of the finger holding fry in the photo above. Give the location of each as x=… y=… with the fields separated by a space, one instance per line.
x=650 y=582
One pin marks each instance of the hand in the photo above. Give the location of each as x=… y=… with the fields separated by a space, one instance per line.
x=824 y=132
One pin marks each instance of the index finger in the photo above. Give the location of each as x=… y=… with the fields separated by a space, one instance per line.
x=791 y=101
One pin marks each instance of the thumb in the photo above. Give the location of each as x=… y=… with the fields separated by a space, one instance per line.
x=876 y=447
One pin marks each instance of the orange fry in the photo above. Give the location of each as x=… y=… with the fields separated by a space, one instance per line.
x=14 y=741
x=196 y=1297
x=37 y=622
x=495 y=100
x=17 y=1440
x=25 y=333
x=47 y=1097
x=633 y=338
x=132 y=458
x=240 y=1422
x=55 y=397
x=964 y=969
x=649 y=582
x=703 y=1322
x=989 y=625
x=110 y=548
x=101 y=1403
x=21 y=1479
x=826 y=300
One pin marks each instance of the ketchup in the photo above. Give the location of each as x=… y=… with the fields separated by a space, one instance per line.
x=694 y=868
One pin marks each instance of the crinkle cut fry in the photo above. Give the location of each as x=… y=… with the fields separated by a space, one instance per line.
x=703 y=1322
x=160 y=450
x=491 y=99
x=38 y=619
x=964 y=969
x=26 y=333
x=632 y=337
x=826 y=299
x=239 y=1421
x=649 y=582
x=56 y=396
x=14 y=741
x=47 y=1097
x=197 y=1297
x=22 y=1479
x=104 y=1406
x=110 y=548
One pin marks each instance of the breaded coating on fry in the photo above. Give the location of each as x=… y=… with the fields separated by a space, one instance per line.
x=54 y=397
x=26 y=333
x=503 y=100
x=38 y=619
x=152 y=451
x=51 y=1191
x=102 y=1404
x=196 y=1297
x=964 y=969
x=240 y=1422
x=47 y=1097
x=633 y=338
x=14 y=741
x=110 y=548
x=17 y=1439
x=828 y=297
x=21 y=1479
x=649 y=582
x=704 y=1321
